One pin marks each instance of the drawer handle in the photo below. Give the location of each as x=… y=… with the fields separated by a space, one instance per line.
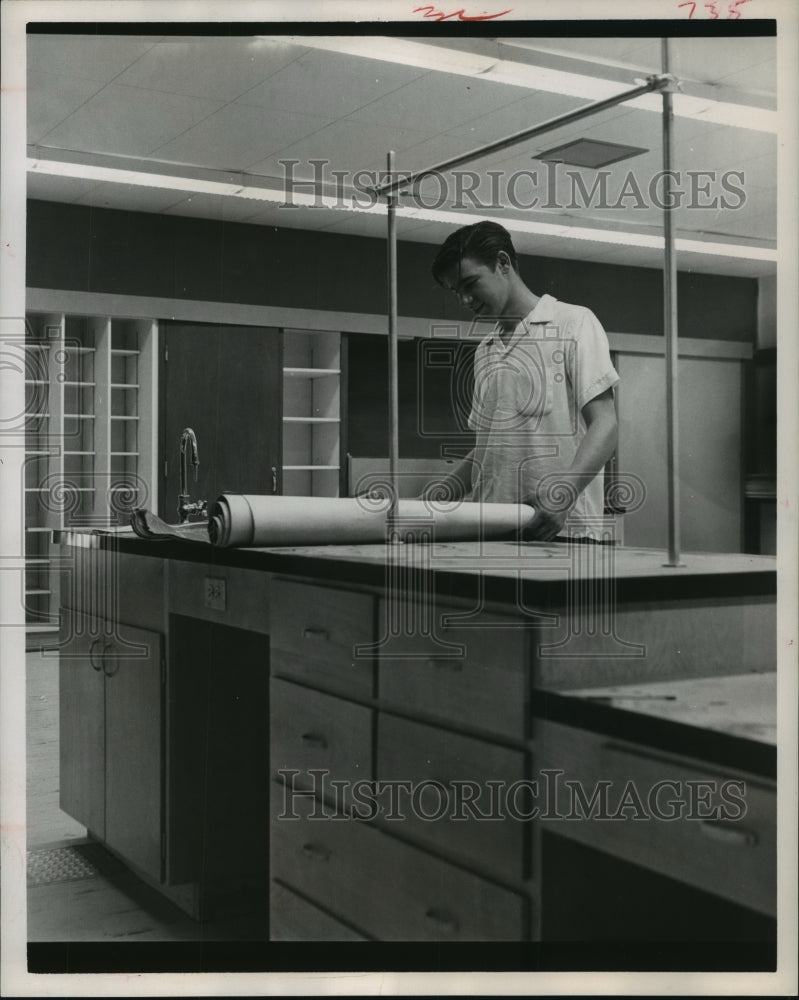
x=733 y=835
x=314 y=740
x=109 y=672
x=441 y=918
x=315 y=633
x=445 y=663
x=97 y=666
x=315 y=852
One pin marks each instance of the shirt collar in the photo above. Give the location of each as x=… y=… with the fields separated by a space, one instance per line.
x=542 y=312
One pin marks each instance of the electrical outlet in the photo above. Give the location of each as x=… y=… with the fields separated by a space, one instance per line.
x=215 y=593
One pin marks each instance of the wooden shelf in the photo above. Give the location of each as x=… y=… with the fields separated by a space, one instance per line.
x=91 y=357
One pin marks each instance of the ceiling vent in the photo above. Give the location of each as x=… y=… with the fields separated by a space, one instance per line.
x=590 y=153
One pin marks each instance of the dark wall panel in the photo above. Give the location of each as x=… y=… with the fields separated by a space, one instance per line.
x=434 y=392
x=135 y=253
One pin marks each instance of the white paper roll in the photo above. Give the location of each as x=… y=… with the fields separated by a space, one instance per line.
x=238 y=519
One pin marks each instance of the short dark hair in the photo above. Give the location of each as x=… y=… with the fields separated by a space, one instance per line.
x=482 y=241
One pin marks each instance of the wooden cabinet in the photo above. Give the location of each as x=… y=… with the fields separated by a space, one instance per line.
x=111 y=735
x=224 y=382
x=712 y=827
x=164 y=718
x=82 y=726
x=361 y=761
x=415 y=801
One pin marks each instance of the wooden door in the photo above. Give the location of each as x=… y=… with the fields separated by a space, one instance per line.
x=134 y=747
x=82 y=722
x=225 y=382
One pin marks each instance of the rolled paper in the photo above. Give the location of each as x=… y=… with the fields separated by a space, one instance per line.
x=239 y=519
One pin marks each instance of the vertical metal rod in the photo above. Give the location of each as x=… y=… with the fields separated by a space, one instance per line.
x=670 y=324
x=393 y=378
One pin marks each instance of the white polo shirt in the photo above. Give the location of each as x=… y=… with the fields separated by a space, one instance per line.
x=527 y=408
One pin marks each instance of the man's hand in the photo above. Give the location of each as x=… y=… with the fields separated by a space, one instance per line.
x=548 y=519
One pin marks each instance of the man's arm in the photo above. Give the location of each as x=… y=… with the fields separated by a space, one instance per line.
x=593 y=453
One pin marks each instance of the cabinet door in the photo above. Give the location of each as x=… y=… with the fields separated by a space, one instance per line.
x=225 y=382
x=134 y=750
x=82 y=722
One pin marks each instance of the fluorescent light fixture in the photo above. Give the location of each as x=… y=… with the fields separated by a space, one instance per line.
x=542 y=78
x=194 y=185
x=590 y=153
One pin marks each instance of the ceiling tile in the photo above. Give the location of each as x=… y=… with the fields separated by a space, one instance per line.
x=628 y=51
x=129 y=120
x=438 y=102
x=724 y=148
x=93 y=57
x=534 y=109
x=330 y=84
x=760 y=79
x=344 y=145
x=709 y=60
x=52 y=98
x=238 y=136
x=219 y=69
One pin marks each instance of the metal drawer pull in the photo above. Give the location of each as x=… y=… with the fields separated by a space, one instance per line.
x=733 y=835
x=97 y=666
x=314 y=740
x=445 y=663
x=115 y=666
x=442 y=918
x=315 y=633
x=316 y=852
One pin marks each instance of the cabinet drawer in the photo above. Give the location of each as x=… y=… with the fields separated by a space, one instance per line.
x=311 y=730
x=477 y=675
x=292 y=918
x=315 y=632
x=482 y=831
x=722 y=838
x=393 y=891
x=226 y=595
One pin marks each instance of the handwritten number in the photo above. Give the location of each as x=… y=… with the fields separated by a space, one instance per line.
x=732 y=9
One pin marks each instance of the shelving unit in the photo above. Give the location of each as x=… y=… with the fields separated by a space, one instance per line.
x=311 y=412
x=90 y=436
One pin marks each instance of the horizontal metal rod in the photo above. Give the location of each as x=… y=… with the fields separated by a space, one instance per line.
x=654 y=83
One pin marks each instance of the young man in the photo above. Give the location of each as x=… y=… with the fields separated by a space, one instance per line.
x=542 y=408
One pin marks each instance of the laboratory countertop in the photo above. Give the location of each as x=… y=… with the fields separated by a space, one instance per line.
x=505 y=569
x=730 y=719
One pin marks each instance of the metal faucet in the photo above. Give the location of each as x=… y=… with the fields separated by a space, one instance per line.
x=186 y=506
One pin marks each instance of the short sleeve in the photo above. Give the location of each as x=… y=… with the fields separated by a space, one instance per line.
x=592 y=371
x=477 y=414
